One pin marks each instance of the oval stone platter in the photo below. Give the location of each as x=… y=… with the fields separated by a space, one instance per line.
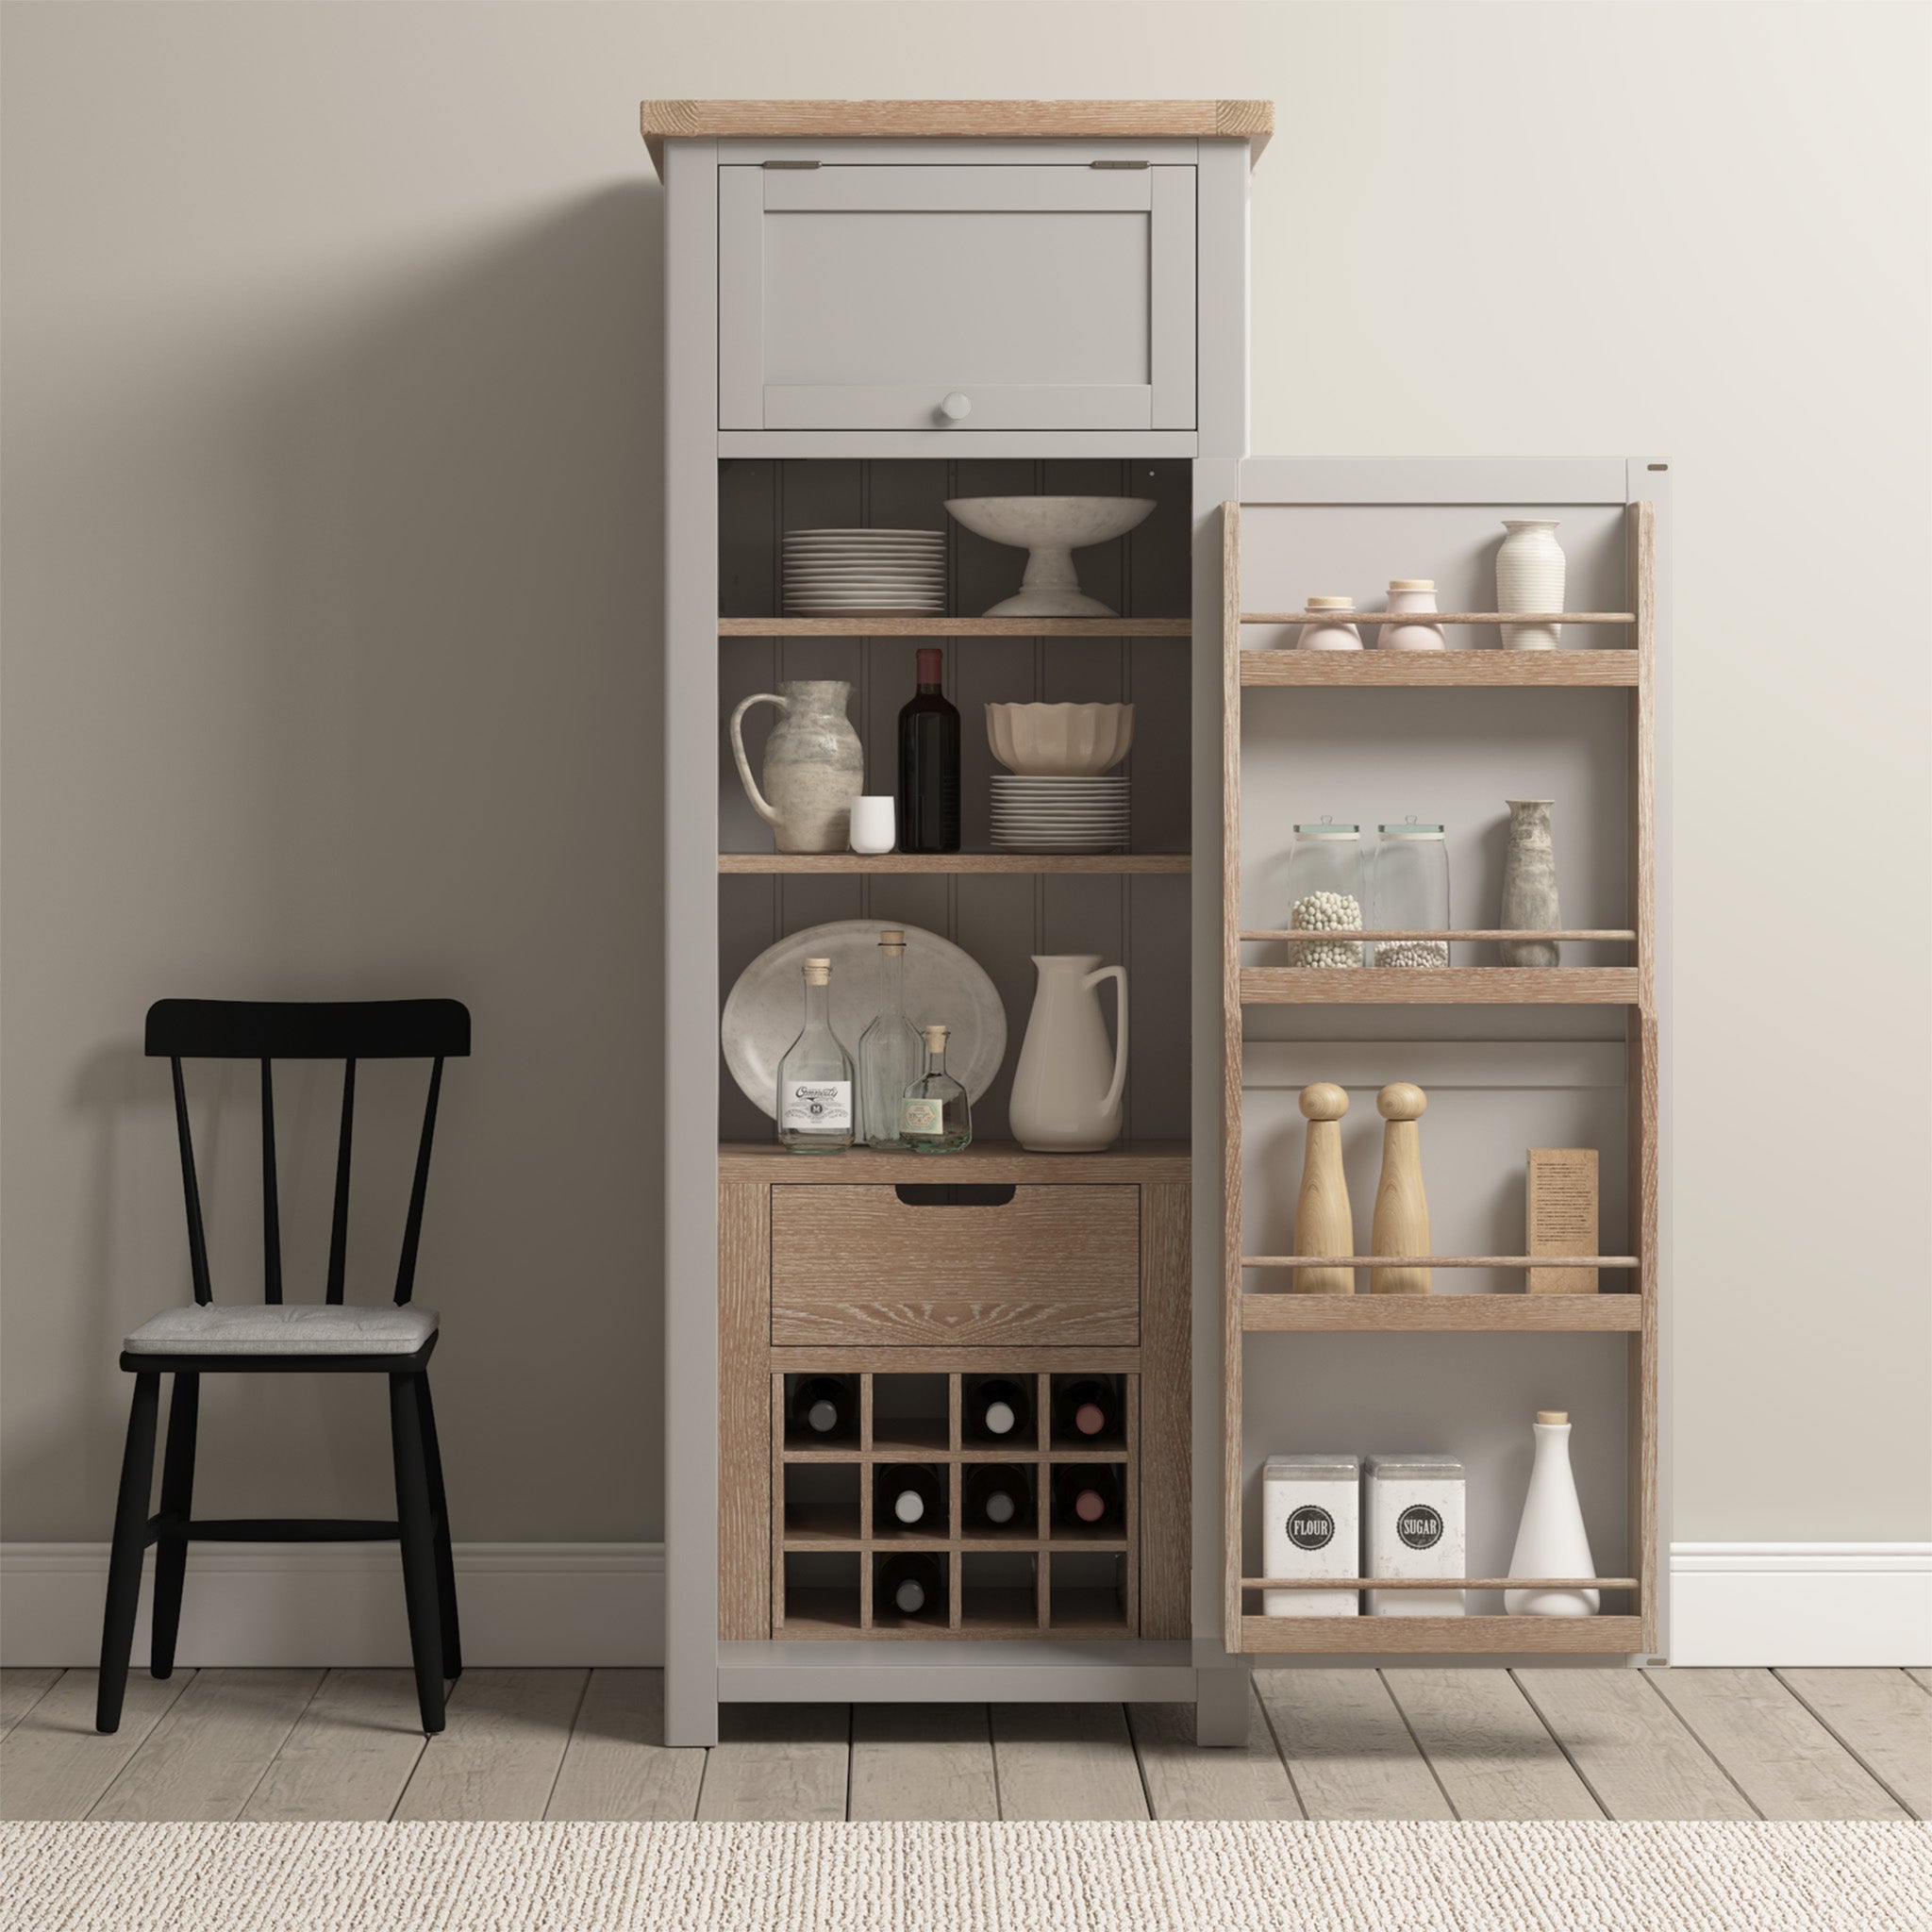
x=766 y=1008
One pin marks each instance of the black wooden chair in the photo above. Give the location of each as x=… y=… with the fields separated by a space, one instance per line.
x=279 y=1338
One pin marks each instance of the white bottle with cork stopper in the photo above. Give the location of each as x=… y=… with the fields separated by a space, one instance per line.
x=1409 y=596
x=1333 y=631
x=1551 y=1540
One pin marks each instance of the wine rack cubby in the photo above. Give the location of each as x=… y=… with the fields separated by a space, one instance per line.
x=907 y=1309
x=1046 y=1575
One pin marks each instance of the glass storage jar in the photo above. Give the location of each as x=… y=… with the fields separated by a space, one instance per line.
x=1412 y=893
x=1325 y=892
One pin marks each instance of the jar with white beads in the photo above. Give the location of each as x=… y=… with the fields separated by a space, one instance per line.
x=1410 y=893
x=1325 y=890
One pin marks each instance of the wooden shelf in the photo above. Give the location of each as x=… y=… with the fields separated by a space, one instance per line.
x=1131 y=864
x=1440 y=985
x=1487 y=667
x=1439 y=1261
x=1303 y=1314
x=1497 y=1636
x=893 y=625
x=1299 y=1583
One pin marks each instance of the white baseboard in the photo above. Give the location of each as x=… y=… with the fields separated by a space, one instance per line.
x=342 y=1604
x=588 y=1603
x=1818 y=1604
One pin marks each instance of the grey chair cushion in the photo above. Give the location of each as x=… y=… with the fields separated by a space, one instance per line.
x=285 y=1329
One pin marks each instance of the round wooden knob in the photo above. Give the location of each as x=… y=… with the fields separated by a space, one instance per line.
x=1402 y=1102
x=957 y=406
x=1323 y=1101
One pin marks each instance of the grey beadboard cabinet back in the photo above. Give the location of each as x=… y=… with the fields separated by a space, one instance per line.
x=873 y=308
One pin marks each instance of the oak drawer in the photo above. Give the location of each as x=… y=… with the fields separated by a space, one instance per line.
x=859 y=1266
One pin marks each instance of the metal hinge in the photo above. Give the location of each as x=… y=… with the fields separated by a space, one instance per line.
x=789 y=164
x=1116 y=164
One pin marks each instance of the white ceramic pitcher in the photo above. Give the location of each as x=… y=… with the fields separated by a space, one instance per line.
x=1067 y=1087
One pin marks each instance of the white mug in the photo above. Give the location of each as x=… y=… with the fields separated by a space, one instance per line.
x=873 y=826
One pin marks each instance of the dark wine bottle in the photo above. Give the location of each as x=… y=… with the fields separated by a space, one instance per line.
x=905 y=1496
x=997 y=1498
x=1086 y=1495
x=1084 y=1407
x=912 y=1584
x=998 y=1410
x=929 y=765
x=822 y=1405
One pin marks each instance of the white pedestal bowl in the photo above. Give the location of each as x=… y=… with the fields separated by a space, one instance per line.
x=1051 y=529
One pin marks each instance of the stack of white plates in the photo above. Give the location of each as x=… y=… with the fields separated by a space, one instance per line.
x=858 y=572
x=1059 y=814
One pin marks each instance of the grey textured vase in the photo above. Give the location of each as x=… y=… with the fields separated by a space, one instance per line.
x=1529 y=883
x=814 y=765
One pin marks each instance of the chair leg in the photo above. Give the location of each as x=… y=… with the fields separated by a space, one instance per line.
x=130 y=1544
x=417 y=1524
x=178 y=1498
x=439 y=1504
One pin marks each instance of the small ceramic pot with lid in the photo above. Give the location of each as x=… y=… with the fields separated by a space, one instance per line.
x=1406 y=596
x=1332 y=632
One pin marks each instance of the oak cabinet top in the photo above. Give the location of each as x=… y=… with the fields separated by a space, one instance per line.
x=662 y=121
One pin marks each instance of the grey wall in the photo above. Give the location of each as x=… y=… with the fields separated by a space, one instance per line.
x=331 y=505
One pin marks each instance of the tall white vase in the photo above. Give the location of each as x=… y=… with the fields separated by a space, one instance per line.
x=1067 y=1087
x=1551 y=1541
x=1529 y=576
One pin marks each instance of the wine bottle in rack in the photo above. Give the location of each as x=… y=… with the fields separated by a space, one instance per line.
x=822 y=1405
x=997 y=1498
x=911 y=1497
x=1088 y=1496
x=929 y=764
x=1086 y=1408
x=910 y=1585
x=998 y=1410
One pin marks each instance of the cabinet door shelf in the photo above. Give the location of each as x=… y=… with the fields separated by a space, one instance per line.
x=1425 y=1635
x=1438 y=1583
x=1440 y=985
x=1286 y=1313
x=1616 y=665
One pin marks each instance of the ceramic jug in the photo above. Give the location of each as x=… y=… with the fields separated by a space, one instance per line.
x=1067 y=1087
x=814 y=765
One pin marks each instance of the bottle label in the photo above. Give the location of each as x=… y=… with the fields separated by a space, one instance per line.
x=1420 y=1526
x=922 y=1116
x=1311 y=1528
x=822 y=1107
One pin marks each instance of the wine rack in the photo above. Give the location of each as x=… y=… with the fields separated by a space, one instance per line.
x=1032 y=1268
x=1046 y=1577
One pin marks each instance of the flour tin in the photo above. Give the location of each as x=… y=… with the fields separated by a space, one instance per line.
x=1413 y=1511
x=1312 y=1528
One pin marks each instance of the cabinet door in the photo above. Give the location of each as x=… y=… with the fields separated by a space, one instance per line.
x=886 y=297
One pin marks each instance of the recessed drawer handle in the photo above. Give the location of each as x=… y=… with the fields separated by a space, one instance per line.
x=967 y=1195
x=956 y=405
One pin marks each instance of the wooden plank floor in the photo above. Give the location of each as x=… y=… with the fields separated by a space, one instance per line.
x=1321 y=1744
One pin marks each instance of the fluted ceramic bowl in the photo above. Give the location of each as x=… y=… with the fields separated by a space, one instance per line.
x=1059 y=740
x=1052 y=528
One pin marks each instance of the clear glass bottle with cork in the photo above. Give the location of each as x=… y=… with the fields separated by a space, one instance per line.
x=890 y=1053
x=935 y=1116
x=815 y=1085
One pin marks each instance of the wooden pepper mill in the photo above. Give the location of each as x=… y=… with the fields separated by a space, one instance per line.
x=1323 y=1222
x=1402 y=1209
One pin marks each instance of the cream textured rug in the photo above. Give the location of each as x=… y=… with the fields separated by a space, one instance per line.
x=966 y=1878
